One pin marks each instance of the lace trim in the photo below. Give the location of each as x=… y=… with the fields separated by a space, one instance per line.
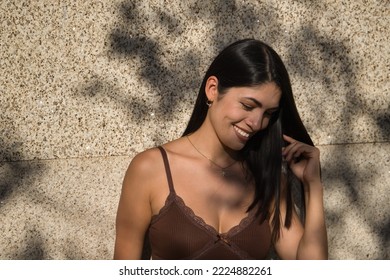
x=173 y=197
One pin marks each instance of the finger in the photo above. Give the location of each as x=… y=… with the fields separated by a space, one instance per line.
x=294 y=151
x=289 y=139
x=294 y=145
x=297 y=150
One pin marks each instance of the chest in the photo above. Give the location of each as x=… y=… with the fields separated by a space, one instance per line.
x=220 y=200
x=177 y=233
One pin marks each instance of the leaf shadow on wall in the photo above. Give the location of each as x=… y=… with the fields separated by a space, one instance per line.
x=128 y=41
x=13 y=177
x=337 y=60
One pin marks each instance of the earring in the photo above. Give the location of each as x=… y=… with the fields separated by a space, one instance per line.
x=208 y=103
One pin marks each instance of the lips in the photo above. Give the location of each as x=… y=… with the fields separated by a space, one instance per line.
x=241 y=132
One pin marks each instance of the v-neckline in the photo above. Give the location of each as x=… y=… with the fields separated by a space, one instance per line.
x=198 y=219
x=173 y=197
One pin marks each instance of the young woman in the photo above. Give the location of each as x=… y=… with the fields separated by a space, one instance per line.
x=223 y=190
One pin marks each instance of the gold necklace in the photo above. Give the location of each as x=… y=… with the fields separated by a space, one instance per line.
x=223 y=169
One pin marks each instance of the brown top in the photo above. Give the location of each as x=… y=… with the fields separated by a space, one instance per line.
x=177 y=233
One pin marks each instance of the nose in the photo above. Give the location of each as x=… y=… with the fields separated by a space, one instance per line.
x=256 y=121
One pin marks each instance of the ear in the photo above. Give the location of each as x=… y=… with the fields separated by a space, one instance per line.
x=211 y=88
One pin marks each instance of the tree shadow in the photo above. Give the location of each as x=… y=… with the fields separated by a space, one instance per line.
x=12 y=178
x=173 y=76
x=170 y=82
x=383 y=122
x=13 y=172
x=336 y=73
x=335 y=55
x=34 y=249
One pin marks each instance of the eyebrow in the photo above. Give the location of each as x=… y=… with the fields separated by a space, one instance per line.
x=258 y=103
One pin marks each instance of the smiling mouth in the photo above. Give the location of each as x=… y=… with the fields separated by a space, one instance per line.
x=241 y=132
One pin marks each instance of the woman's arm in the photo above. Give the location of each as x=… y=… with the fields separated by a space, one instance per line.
x=314 y=242
x=134 y=209
x=308 y=241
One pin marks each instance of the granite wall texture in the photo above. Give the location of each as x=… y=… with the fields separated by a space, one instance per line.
x=85 y=85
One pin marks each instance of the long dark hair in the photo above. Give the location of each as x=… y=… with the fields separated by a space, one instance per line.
x=248 y=63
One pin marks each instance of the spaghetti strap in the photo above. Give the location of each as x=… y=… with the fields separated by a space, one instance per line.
x=167 y=169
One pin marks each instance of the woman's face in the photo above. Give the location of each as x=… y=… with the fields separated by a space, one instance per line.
x=240 y=112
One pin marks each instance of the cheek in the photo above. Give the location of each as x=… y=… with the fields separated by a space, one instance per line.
x=237 y=115
x=232 y=113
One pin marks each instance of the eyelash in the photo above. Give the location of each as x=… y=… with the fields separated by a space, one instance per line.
x=250 y=108
x=247 y=107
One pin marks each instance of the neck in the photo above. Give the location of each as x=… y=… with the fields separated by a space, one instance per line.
x=206 y=142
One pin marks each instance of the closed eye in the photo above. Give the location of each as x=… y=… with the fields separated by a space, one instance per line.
x=246 y=106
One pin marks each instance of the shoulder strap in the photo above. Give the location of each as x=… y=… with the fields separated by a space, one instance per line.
x=167 y=168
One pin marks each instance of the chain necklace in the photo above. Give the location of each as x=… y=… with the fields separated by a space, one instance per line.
x=223 y=169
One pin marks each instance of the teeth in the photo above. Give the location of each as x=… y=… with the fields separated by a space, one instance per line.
x=241 y=132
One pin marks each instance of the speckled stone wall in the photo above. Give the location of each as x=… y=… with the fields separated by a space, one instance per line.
x=85 y=85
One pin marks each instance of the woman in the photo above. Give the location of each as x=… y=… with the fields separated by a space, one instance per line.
x=223 y=190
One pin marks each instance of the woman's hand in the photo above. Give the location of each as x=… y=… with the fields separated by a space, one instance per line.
x=303 y=160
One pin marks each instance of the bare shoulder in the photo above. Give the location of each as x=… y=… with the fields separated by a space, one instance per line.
x=145 y=160
x=144 y=170
x=178 y=147
x=148 y=165
x=135 y=208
